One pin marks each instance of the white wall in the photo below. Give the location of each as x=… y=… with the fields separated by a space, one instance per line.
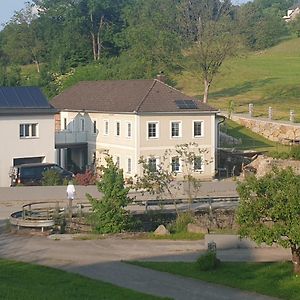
x=15 y=147
x=138 y=144
x=157 y=146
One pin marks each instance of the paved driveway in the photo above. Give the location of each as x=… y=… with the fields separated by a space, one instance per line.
x=102 y=259
x=12 y=199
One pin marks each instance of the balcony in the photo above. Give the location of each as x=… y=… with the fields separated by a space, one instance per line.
x=71 y=137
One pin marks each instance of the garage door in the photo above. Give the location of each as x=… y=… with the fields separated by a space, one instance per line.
x=28 y=160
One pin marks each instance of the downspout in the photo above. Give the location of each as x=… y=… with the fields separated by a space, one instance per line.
x=219 y=140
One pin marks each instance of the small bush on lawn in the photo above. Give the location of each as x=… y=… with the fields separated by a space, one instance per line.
x=208 y=261
x=87 y=178
x=181 y=222
x=51 y=177
x=295 y=152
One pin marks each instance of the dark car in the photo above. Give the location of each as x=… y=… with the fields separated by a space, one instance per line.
x=32 y=174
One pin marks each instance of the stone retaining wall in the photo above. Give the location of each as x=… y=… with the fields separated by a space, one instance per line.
x=276 y=131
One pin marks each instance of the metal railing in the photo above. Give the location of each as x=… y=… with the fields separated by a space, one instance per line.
x=71 y=137
x=199 y=200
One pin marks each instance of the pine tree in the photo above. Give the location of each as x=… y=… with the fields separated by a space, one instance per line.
x=109 y=214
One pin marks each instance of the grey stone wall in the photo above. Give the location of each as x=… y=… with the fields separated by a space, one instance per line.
x=276 y=131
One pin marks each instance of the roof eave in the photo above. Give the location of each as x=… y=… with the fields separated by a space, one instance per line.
x=28 y=111
x=181 y=112
x=143 y=112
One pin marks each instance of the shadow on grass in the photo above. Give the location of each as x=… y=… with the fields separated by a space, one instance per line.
x=276 y=95
x=249 y=140
x=241 y=88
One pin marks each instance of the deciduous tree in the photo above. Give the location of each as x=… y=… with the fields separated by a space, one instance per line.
x=269 y=210
x=207 y=26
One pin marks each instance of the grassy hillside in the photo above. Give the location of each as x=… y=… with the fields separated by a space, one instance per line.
x=265 y=78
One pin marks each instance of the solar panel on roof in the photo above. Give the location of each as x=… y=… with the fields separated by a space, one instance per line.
x=22 y=97
x=186 y=104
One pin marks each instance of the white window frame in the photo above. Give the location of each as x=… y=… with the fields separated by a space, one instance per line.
x=82 y=125
x=180 y=164
x=65 y=124
x=129 y=166
x=118 y=161
x=94 y=122
x=202 y=165
x=157 y=161
x=105 y=126
x=127 y=130
x=157 y=130
x=30 y=136
x=116 y=128
x=202 y=129
x=179 y=129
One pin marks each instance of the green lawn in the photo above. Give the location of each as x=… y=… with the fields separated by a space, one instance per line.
x=265 y=78
x=251 y=140
x=273 y=279
x=175 y=236
x=21 y=281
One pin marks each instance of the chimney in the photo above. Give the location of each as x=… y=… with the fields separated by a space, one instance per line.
x=161 y=77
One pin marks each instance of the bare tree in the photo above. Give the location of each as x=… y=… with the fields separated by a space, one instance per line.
x=27 y=34
x=188 y=159
x=193 y=161
x=208 y=27
x=157 y=180
x=96 y=29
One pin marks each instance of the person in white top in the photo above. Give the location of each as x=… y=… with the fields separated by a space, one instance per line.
x=71 y=191
x=70 y=196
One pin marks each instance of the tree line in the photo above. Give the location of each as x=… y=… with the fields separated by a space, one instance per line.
x=72 y=40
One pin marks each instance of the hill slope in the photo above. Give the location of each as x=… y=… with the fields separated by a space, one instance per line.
x=266 y=78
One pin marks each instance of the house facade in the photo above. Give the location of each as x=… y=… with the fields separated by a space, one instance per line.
x=27 y=129
x=130 y=119
x=292 y=13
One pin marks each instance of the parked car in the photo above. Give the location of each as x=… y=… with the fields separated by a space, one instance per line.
x=32 y=174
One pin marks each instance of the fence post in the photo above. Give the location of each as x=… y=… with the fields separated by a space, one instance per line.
x=270 y=113
x=251 y=109
x=292 y=116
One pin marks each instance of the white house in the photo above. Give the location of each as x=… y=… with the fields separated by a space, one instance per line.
x=27 y=129
x=130 y=119
x=292 y=13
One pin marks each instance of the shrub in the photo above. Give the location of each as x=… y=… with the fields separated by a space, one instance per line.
x=295 y=152
x=51 y=177
x=208 y=261
x=87 y=178
x=109 y=214
x=181 y=222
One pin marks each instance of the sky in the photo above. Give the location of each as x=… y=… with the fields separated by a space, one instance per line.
x=8 y=7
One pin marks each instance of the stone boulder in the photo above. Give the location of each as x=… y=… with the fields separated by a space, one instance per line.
x=196 y=228
x=161 y=230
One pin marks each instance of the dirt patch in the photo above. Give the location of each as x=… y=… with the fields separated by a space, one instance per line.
x=264 y=164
